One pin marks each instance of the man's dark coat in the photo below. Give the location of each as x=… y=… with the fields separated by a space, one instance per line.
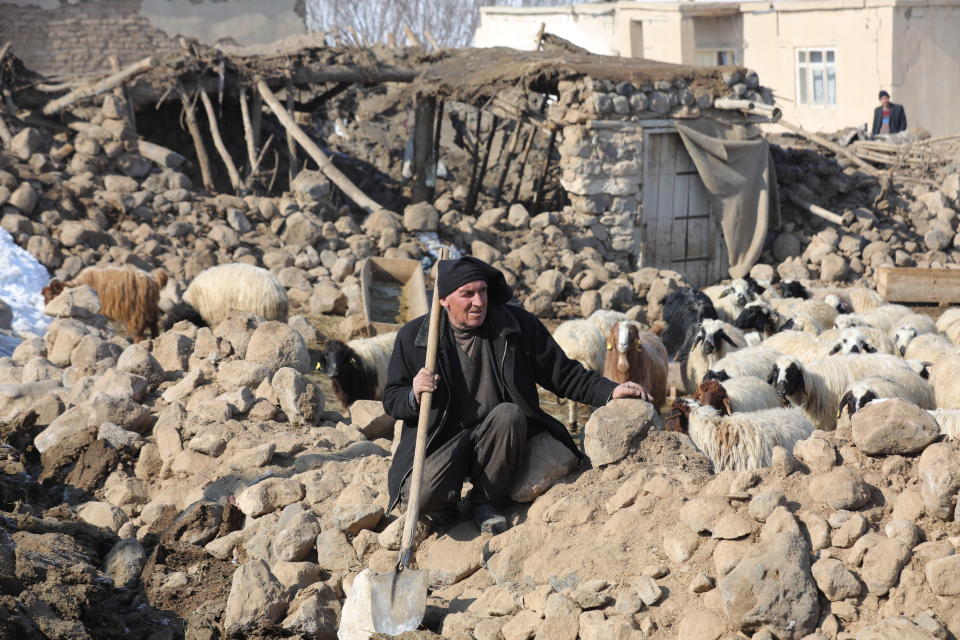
x=526 y=354
x=898 y=119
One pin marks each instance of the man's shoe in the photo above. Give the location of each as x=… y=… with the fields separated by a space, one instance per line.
x=443 y=519
x=488 y=519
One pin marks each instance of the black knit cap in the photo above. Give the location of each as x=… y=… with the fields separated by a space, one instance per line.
x=453 y=274
x=883 y=94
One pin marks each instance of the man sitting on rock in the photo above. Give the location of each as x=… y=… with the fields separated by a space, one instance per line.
x=490 y=358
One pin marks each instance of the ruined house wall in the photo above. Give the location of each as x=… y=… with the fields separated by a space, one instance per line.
x=64 y=37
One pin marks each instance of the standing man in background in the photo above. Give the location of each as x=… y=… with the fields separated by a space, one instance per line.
x=888 y=117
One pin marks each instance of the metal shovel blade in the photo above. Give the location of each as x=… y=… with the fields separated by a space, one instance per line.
x=398 y=600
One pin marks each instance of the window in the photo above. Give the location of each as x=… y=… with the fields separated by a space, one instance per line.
x=817 y=77
x=715 y=57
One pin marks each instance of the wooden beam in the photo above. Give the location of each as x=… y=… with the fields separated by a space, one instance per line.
x=422 y=149
x=293 y=164
x=221 y=148
x=816 y=210
x=837 y=149
x=912 y=284
x=336 y=176
x=412 y=37
x=203 y=159
x=110 y=82
x=248 y=132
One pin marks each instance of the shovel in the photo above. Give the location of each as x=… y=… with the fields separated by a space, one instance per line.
x=398 y=599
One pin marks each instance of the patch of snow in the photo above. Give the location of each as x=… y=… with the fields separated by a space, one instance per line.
x=22 y=278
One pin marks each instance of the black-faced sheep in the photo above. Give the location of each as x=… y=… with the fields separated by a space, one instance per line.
x=227 y=288
x=637 y=356
x=128 y=295
x=357 y=369
x=730 y=300
x=816 y=387
x=714 y=340
x=683 y=311
x=802 y=346
x=909 y=327
x=793 y=289
x=752 y=361
x=895 y=384
x=742 y=441
x=737 y=395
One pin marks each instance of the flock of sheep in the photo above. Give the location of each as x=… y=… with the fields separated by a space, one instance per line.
x=763 y=366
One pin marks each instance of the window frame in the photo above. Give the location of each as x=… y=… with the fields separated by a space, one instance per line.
x=804 y=76
x=714 y=51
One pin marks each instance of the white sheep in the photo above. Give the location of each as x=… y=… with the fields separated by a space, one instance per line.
x=804 y=322
x=714 y=340
x=729 y=300
x=906 y=385
x=952 y=331
x=737 y=395
x=946 y=382
x=822 y=313
x=861 y=339
x=857 y=299
x=929 y=347
x=358 y=369
x=745 y=441
x=581 y=340
x=909 y=327
x=887 y=317
x=803 y=346
x=226 y=288
x=816 y=387
x=949 y=421
x=751 y=361
x=604 y=319
x=947 y=318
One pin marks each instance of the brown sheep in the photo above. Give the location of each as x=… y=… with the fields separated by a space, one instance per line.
x=128 y=295
x=637 y=356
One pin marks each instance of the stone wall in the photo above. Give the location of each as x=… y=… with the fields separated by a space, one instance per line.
x=70 y=37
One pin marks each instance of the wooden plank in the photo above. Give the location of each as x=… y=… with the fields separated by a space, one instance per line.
x=668 y=157
x=651 y=167
x=678 y=211
x=911 y=284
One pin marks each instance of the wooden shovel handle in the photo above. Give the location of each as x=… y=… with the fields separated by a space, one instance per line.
x=420 y=451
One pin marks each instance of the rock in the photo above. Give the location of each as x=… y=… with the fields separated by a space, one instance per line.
x=849 y=532
x=239 y=374
x=207 y=443
x=420 y=217
x=301 y=229
x=453 y=556
x=172 y=351
x=679 y=544
x=356 y=619
x=118 y=384
x=490 y=218
x=255 y=595
x=102 y=514
x=701 y=625
x=137 y=360
x=327 y=298
x=118 y=437
x=943 y=575
x=370 y=418
x=764 y=502
x=882 y=564
x=842 y=488
x=125 y=562
x=311 y=188
x=834 y=580
x=518 y=217
x=276 y=345
x=269 y=495
x=522 y=626
x=772 y=586
x=334 y=553
x=495 y=601
x=647 y=590
x=27 y=142
x=816 y=452
x=299 y=398
x=614 y=430
x=893 y=427
x=237 y=328
x=833 y=268
x=297 y=538
x=353 y=518
x=317 y=616
x=24 y=198
x=899 y=628
x=701 y=583
x=75 y=302
x=548 y=460
x=939 y=473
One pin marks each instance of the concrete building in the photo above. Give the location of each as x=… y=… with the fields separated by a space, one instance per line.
x=824 y=59
x=64 y=37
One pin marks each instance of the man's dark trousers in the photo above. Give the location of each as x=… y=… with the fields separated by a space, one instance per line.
x=491 y=454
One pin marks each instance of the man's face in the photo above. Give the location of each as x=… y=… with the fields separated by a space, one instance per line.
x=884 y=101
x=467 y=306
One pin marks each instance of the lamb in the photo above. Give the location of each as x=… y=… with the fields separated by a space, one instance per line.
x=683 y=311
x=760 y=317
x=751 y=361
x=714 y=340
x=803 y=346
x=909 y=327
x=357 y=369
x=816 y=387
x=929 y=347
x=737 y=395
x=582 y=341
x=803 y=322
x=856 y=299
x=604 y=319
x=895 y=384
x=730 y=300
x=822 y=312
x=743 y=441
x=238 y=286
x=128 y=295
x=637 y=356
x=856 y=340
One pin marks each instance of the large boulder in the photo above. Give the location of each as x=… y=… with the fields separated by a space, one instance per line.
x=299 y=398
x=939 y=473
x=614 y=430
x=255 y=595
x=893 y=427
x=548 y=460
x=276 y=345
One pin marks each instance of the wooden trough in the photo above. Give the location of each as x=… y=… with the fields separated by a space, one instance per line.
x=911 y=284
x=393 y=292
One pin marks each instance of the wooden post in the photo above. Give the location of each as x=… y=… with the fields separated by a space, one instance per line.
x=818 y=211
x=336 y=176
x=478 y=184
x=523 y=163
x=422 y=148
x=248 y=132
x=436 y=139
x=538 y=201
x=412 y=37
x=293 y=167
x=90 y=90
x=511 y=153
x=218 y=142
x=837 y=149
x=201 y=150
x=256 y=118
x=433 y=41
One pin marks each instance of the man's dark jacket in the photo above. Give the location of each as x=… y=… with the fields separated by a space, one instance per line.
x=525 y=353
x=898 y=119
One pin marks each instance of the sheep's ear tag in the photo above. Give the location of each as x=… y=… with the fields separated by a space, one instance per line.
x=317 y=366
x=609 y=347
